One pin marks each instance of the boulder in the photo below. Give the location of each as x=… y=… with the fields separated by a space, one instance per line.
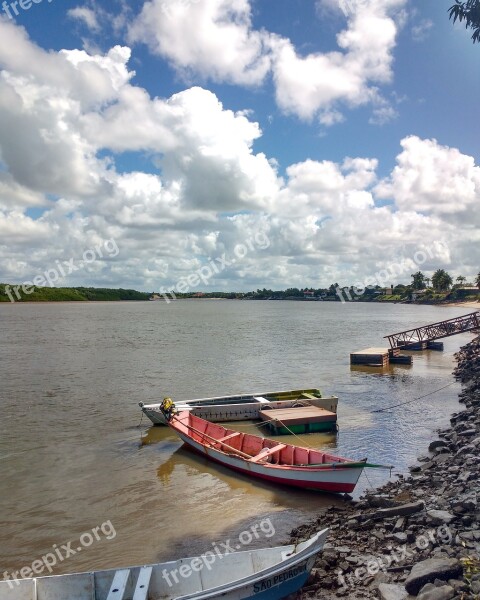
x=390 y=591
x=437 y=444
x=431 y=569
x=440 y=517
x=402 y=510
x=443 y=592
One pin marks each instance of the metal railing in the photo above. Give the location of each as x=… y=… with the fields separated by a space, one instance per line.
x=435 y=331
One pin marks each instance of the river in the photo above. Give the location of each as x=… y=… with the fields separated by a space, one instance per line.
x=75 y=455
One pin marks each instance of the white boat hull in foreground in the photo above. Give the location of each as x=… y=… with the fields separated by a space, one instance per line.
x=267 y=574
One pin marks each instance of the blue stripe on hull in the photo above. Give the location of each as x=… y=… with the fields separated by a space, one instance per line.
x=281 y=590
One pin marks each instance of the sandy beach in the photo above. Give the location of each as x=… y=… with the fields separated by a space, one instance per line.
x=470 y=304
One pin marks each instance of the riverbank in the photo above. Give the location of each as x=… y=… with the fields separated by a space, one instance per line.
x=469 y=304
x=418 y=537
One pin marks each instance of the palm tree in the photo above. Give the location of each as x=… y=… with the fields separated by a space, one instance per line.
x=418 y=282
x=427 y=281
x=441 y=280
x=461 y=280
x=477 y=281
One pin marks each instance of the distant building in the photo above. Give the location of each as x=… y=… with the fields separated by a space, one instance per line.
x=468 y=291
x=198 y=295
x=416 y=294
x=309 y=294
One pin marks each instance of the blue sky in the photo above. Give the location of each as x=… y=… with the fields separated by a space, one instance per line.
x=349 y=140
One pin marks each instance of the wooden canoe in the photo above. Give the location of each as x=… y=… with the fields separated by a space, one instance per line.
x=266 y=574
x=268 y=459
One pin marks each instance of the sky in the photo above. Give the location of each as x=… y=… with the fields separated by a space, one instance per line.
x=202 y=145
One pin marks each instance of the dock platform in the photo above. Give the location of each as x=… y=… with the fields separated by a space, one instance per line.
x=379 y=357
x=305 y=419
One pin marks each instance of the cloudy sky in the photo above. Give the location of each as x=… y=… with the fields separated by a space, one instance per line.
x=289 y=142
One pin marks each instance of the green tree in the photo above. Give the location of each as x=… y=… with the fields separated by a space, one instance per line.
x=461 y=280
x=469 y=12
x=418 y=282
x=477 y=281
x=441 y=280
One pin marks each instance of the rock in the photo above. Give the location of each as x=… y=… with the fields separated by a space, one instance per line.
x=475 y=587
x=400 y=537
x=444 y=592
x=441 y=459
x=381 y=501
x=431 y=569
x=469 y=432
x=466 y=502
x=389 y=591
x=458 y=586
x=402 y=510
x=440 y=517
x=437 y=444
x=468 y=449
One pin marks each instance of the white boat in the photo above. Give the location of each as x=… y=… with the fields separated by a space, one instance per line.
x=243 y=407
x=266 y=574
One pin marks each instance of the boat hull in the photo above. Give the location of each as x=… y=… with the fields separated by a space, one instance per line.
x=274 y=587
x=223 y=409
x=326 y=480
x=265 y=574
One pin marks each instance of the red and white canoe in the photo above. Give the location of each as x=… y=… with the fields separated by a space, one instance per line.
x=267 y=459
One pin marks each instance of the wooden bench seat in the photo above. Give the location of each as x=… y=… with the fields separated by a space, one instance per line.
x=229 y=437
x=267 y=452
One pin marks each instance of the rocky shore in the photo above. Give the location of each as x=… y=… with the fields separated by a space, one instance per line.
x=419 y=536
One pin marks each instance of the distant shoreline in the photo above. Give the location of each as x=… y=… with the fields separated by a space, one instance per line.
x=467 y=304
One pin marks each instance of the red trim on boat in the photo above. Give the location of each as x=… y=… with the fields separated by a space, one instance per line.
x=324 y=486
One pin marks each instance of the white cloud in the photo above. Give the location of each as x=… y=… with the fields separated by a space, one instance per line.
x=434 y=179
x=421 y=31
x=216 y=40
x=210 y=191
x=212 y=38
x=85 y=15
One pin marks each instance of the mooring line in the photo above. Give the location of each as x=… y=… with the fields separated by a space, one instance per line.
x=414 y=399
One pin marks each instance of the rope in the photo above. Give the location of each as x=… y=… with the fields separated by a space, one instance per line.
x=289 y=431
x=414 y=399
x=369 y=482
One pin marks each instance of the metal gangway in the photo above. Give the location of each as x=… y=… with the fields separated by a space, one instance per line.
x=435 y=331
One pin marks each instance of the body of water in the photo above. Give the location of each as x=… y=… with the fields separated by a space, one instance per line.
x=74 y=455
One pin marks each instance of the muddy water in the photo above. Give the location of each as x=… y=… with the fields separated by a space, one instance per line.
x=75 y=458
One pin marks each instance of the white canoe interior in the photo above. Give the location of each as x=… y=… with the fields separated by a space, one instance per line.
x=189 y=577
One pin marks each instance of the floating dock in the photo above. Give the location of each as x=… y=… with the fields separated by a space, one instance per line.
x=302 y=419
x=379 y=357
